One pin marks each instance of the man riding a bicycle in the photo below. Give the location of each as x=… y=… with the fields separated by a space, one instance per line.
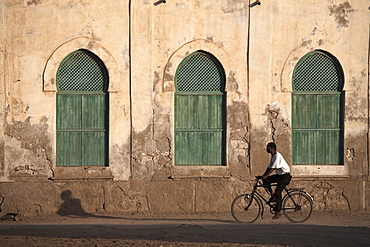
x=282 y=176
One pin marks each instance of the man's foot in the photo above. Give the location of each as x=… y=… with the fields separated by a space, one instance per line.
x=277 y=216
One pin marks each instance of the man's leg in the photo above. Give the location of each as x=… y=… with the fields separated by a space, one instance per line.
x=268 y=181
x=282 y=182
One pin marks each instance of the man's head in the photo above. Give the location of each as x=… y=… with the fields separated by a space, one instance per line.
x=271 y=148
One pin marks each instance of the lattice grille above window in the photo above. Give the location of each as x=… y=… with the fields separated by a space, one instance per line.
x=199 y=72
x=82 y=71
x=317 y=72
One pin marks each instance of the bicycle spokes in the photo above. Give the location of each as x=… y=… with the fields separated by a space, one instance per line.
x=297 y=207
x=245 y=208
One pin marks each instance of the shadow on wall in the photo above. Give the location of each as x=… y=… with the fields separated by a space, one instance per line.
x=70 y=206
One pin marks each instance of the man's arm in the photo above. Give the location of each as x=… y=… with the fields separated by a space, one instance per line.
x=267 y=172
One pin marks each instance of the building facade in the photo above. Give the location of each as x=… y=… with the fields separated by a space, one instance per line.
x=145 y=106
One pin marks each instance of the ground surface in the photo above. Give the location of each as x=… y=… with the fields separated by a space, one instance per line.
x=322 y=229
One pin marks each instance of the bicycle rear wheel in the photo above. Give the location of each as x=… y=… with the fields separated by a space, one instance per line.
x=297 y=207
x=245 y=208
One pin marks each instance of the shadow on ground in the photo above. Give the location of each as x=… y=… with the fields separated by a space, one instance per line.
x=155 y=232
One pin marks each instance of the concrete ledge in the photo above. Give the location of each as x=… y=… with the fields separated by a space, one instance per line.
x=83 y=172
x=319 y=177
x=198 y=177
x=319 y=171
x=26 y=175
x=200 y=172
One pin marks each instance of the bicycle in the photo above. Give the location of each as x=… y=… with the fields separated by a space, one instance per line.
x=297 y=204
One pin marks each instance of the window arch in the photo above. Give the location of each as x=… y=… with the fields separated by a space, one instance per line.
x=82 y=111
x=200 y=111
x=317 y=110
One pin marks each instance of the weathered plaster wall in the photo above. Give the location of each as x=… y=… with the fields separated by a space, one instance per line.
x=142 y=45
x=166 y=34
x=93 y=198
x=3 y=168
x=38 y=35
x=289 y=31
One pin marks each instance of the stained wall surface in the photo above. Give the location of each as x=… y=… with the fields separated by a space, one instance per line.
x=142 y=45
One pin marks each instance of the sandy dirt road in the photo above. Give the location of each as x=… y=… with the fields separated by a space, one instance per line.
x=322 y=229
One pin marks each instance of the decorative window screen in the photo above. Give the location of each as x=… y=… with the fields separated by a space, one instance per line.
x=200 y=72
x=200 y=111
x=317 y=111
x=317 y=72
x=82 y=71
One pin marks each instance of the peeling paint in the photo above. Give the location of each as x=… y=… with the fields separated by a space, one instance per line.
x=232 y=84
x=350 y=154
x=31 y=150
x=149 y=155
x=319 y=31
x=33 y=2
x=341 y=13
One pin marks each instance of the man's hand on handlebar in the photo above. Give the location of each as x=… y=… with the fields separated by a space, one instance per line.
x=259 y=177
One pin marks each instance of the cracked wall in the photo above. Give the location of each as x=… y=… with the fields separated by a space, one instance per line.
x=151 y=153
x=280 y=129
x=239 y=140
x=330 y=197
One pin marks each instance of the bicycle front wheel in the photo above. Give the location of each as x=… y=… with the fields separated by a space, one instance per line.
x=245 y=208
x=297 y=207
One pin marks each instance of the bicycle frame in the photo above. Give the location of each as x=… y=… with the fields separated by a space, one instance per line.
x=297 y=204
x=258 y=196
x=299 y=190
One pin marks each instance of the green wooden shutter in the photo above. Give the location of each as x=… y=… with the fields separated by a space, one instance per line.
x=68 y=130
x=200 y=111
x=82 y=111
x=329 y=133
x=317 y=119
x=304 y=129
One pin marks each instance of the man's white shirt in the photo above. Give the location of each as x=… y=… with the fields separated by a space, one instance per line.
x=278 y=163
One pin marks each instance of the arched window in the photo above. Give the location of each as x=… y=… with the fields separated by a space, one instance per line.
x=200 y=111
x=82 y=111
x=317 y=110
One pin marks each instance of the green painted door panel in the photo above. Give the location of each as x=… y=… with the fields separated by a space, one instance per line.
x=82 y=130
x=199 y=130
x=68 y=148
x=186 y=116
x=304 y=111
x=94 y=107
x=199 y=148
x=317 y=129
x=304 y=147
x=198 y=111
x=328 y=144
x=94 y=151
x=328 y=111
x=69 y=112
